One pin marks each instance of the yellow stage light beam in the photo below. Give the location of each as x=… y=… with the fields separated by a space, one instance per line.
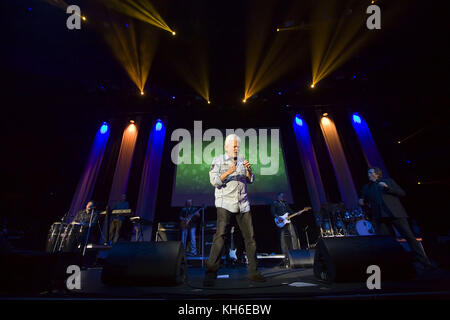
x=190 y=61
x=62 y=5
x=139 y=9
x=269 y=55
x=134 y=47
x=412 y=135
x=338 y=31
x=293 y=28
x=58 y=3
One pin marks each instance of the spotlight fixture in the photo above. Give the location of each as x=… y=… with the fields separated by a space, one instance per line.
x=399 y=142
x=356 y=118
x=84 y=18
x=209 y=102
x=132 y=121
x=142 y=93
x=158 y=125
x=325 y=121
x=312 y=85
x=244 y=101
x=298 y=120
x=278 y=30
x=325 y=114
x=419 y=182
x=104 y=128
x=174 y=33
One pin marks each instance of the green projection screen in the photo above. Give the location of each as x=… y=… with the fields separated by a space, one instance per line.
x=192 y=179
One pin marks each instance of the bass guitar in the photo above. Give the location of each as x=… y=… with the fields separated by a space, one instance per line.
x=281 y=221
x=184 y=224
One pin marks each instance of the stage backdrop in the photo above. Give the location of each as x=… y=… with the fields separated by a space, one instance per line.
x=192 y=180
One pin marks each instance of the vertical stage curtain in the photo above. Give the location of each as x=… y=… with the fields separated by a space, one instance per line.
x=370 y=150
x=341 y=169
x=87 y=181
x=123 y=166
x=309 y=163
x=150 y=175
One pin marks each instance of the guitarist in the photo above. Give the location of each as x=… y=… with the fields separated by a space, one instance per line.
x=288 y=234
x=189 y=217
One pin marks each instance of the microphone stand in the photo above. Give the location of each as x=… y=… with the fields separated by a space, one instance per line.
x=108 y=214
x=58 y=237
x=306 y=233
x=88 y=232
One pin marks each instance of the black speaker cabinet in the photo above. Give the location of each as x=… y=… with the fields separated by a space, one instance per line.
x=145 y=264
x=301 y=258
x=345 y=259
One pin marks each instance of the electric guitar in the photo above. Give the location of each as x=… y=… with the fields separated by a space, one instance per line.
x=232 y=253
x=185 y=222
x=281 y=221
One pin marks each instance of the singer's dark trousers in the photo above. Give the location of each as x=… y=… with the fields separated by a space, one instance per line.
x=383 y=226
x=244 y=221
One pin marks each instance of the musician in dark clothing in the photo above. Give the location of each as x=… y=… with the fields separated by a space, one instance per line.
x=189 y=217
x=77 y=230
x=84 y=216
x=381 y=195
x=117 y=220
x=288 y=233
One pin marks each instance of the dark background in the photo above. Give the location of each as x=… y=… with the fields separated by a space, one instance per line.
x=53 y=103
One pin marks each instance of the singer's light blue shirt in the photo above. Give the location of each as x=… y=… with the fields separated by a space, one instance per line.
x=231 y=194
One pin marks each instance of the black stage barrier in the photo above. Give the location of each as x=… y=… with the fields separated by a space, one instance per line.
x=345 y=259
x=145 y=264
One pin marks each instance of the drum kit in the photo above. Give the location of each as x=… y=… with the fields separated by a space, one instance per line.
x=64 y=237
x=346 y=223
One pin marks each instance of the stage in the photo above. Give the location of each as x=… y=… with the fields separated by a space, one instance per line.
x=282 y=284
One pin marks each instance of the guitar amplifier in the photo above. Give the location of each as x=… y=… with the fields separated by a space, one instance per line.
x=168 y=231
x=210 y=230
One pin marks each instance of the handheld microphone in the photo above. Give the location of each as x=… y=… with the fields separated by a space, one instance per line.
x=238 y=158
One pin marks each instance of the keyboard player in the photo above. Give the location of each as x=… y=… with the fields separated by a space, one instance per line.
x=117 y=220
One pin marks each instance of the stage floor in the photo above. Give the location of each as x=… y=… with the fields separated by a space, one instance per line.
x=286 y=284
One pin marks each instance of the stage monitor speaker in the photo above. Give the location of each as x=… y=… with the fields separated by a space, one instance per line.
x=168 y=231
x=145 y=264
x=301 y=258
x=345 y=259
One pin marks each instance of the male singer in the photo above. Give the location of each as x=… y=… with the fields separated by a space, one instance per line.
x=382 y=197
x=229 y=174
